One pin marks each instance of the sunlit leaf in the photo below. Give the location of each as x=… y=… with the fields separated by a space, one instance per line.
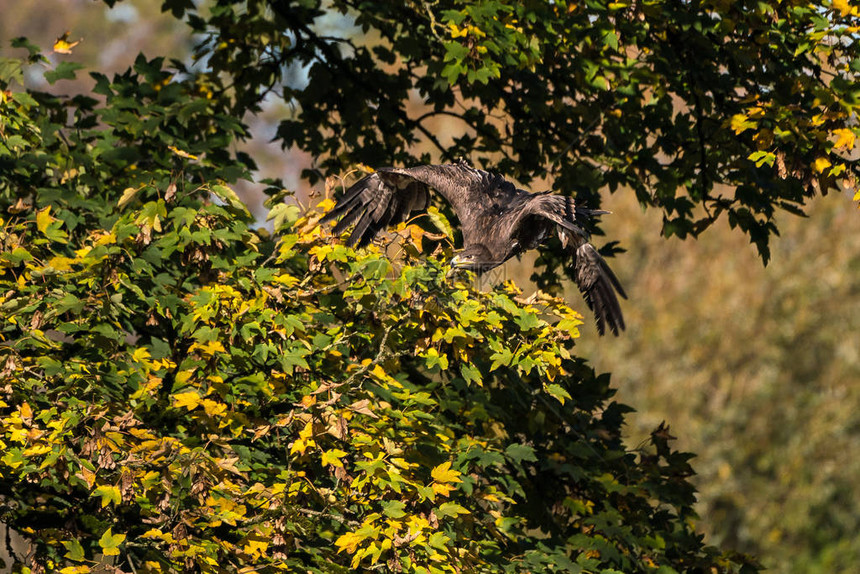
x=110 y=542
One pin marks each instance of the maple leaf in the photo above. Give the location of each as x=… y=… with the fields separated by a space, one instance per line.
x=63 y=46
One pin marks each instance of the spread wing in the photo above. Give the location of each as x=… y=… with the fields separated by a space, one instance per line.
x=598 y=285
x=591 y=273
x=388 y=197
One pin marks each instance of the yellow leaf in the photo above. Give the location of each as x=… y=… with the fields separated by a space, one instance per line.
x=844 y=139
x=443 y=473
x=180 y=153
x=304 y=441
x=44 y=219
x=441 y=489
x=308 y=401
x=87 y=476
x=109 y=494
x=325 y=205
x=61 y=263
x=255 y=547
x=189 y=400
x=213 y=408
x=286 y=279
x=25 y=412
x=308 y=431
x=348 y=542
x=842 y=6
x=156 y=533
x=106 y=239
x=820 y=164
x=37 y=450
x=63 y=46
x=140 y=355
x=210 y=348
x=127 y=195
x=740 y=123
x=75 y=570
x=332 y=457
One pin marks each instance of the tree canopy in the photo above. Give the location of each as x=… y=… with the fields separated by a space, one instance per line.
x=184 y=390
x=703 y=108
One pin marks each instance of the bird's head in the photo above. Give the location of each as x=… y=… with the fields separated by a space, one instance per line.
x=475 y=258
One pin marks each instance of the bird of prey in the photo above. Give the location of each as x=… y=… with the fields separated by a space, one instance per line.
x=497 y=219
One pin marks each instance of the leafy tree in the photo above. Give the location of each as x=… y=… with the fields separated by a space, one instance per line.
x=701 y=108
x=183 y=391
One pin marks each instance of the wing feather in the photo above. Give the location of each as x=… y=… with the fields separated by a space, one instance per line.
x=390 y=195
x=599 y=285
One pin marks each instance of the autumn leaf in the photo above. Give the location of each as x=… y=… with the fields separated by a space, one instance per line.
x=348 y=542
x=844 y=139
x=444 y=478
x=332 y=457
x=740 y=123
x=304 y=441
x=842 y=5
x=255 y=547
x=44 y=219
x=181 y=153
x=127 y=195
x=109 y=494
x=74 y=550
x=213 y=408
x=63 y=46
x=820 y=164
x=189 y=400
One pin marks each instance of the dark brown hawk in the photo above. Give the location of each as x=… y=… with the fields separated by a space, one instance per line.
x=498 y=221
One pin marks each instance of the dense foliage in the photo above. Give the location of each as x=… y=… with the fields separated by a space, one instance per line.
x=702 y=108
x=184 y=392
x=181 y=391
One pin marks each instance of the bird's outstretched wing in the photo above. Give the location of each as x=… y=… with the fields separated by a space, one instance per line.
x=389 y=195
x=591 y=273
x=598 y=285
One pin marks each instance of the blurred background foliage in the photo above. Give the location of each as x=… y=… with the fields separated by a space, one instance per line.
x=754 y=368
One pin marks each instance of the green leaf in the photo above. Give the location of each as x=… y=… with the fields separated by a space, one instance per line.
x=110 y=542
x=228 y=196
x=521 y=452
x=11 y=70
x=433 y=359
x=557 y=392
x=471 y=373
x=440 y=221
x=74 y=550
x=450 y=509
x=394 y=508
x=63 y=71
